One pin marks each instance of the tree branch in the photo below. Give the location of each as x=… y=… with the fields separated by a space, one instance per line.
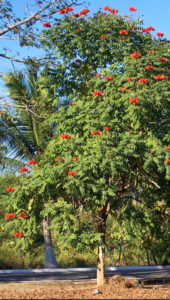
x=32 y=112
x=14 y=38
x=33 y=16
x=36 y=16
x=13 y=105
x=23 y=60
x=8 y=38
x=22 y=106
x=151 y=181
x=12 y=58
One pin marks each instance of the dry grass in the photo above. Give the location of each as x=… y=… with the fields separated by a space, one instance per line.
x=116 y=287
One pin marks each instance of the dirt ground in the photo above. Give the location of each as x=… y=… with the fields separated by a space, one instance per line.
x=116 y=287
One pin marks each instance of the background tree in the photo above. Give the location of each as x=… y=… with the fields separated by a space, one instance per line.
x=27 y=135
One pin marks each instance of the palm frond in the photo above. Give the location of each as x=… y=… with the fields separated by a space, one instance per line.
x=26 y=135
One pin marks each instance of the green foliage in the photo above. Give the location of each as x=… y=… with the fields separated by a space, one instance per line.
x=31 y=101
x=127 y=160
x=73 y=226
x=107 y=152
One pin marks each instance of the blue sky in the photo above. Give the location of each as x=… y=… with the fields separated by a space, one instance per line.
x=154 y=13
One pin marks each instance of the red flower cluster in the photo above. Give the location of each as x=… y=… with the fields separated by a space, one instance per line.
x=72 y=173
x=148 y=67
x=132 y=9
x=147 y=29
x=106 y=8
x=143 y=80
x=31 y=162
x=23 y=216
x=65 y=10
x=103 y=37
x=10 y=189
x=151 y=51
x=98 y=75
x=59 y=159
x=108 y=78
x=84 y=11
x=167 y=148
x=135 y=55
x=22 y=170
x=130 y=78
x=160 y=34
x=106 y=128
x=162 y=59
x=123 y=89
x=114 y=11
x=19 y=234
x=97 y=93
x=167 y=161
x=47 y=24
x=123 y=32
x=78 y=60
x=66 y=136
x=133 y=100
x=95 y=132
x=159 y=77
x=77 y=15
x=75 y=158
x=151 y=28
x=9 y=216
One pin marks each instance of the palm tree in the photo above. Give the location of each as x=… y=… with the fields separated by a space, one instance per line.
x=8 y=138
x=27 y=134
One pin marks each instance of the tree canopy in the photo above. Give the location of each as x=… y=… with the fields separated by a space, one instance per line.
x=110 y=147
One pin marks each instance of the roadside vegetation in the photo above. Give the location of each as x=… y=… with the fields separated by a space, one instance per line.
x=85 y=154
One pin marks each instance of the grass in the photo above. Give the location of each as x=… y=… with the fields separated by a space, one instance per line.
x=10 y=259
x=66 y=257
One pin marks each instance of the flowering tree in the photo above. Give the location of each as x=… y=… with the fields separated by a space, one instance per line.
x=110 y=146
x=112 y=141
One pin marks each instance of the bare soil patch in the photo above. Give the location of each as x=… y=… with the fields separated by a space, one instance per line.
x=116 y=287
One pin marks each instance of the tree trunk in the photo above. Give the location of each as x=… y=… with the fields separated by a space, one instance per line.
x=100 y=266
x=154 y=258
x=102 y=217
x=147 y=255
x=120 y=251
x=50 y=259
x=108 y=251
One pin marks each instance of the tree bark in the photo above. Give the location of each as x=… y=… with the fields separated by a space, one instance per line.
x=108 y=251
x=50 y=258
x=100 y=266
x=102 y=217
x=120 y=251
x=154 y=258
x=147 y=256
